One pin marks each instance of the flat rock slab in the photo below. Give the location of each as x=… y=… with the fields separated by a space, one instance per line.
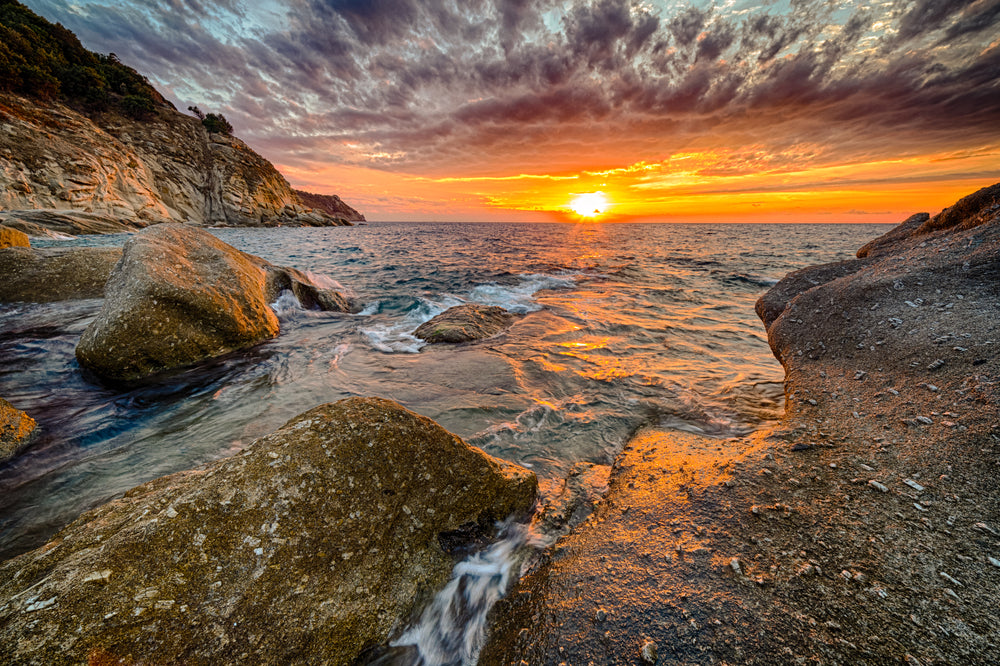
x=465 y=323
x=15 y=429
x=47 y=222
x=42 y=275
x=316 y=542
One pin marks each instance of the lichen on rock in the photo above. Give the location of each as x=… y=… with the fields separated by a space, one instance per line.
x=15 y=429
x=313 y=544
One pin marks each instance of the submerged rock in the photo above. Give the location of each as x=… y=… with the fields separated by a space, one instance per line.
x=465 y=323
x=41 y=275
x=15 y=429
x=316 y=542
x=13 y=238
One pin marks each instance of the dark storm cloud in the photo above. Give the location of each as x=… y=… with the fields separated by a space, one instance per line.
x=428 y=85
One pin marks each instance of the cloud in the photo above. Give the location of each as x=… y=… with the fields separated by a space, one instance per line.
x=494 y=87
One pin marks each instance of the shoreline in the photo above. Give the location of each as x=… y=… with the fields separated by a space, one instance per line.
x=863 y=528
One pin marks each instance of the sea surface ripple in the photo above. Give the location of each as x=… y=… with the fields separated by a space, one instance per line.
x=619 y=326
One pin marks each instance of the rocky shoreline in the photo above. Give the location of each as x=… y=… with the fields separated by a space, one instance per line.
x=864 y=528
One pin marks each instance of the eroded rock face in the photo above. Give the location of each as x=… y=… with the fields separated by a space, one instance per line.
x=920 y=309
x=314 y=543
x=465 y=323
x=167 y=168
x=15 y=429
x=51 y=223
x=13 y=238
x=41 y=275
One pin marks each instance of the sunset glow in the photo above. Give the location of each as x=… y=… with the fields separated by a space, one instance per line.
x=589 y=204
x=435 y=110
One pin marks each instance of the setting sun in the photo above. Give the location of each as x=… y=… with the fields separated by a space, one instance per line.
x=589 y=204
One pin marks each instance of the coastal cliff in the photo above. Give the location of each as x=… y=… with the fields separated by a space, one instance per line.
x=863 y=528
x=87 y=145
x=167 y=168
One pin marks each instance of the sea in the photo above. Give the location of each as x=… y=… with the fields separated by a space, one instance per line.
x=619 y=326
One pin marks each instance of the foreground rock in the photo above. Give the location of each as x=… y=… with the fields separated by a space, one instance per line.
x=13 y=238
x=316 y=542
x=863 y=529
x=180 y=295
x=15 y=429
x=465 y=323
x=54 y=274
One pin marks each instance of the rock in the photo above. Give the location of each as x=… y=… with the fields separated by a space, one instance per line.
x=316 y=542
x=10 y=237
x=134 y=172
x=309 y=295
x=773 y=302
x=648 y=652
x=331 y=204
x=177 y=296
x=40 y=275
x=15 y=430
x=465 y=323
x=883 y=244
x=53 y=223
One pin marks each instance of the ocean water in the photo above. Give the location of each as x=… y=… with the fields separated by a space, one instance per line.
x=619 y=326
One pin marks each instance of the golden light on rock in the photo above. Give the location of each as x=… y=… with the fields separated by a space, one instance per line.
x=590 y=204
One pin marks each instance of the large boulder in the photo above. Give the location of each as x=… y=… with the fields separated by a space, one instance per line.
x=41 y=275
x=465 y=323
x=316 y=542
x=10 y=237
x=178 y=295
x=15 y=429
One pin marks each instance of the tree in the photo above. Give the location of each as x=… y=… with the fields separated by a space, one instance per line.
x=216 y=122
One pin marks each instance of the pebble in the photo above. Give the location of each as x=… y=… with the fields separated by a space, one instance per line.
x=994 y=561
x=648 y=652
x=734 y=564
x=865 y=467
x=913 y=484
x=935 y=364
x=812 y=402
x=950 y=579
x=986 y=528
x=918 y=507
x=926 y=420
x=878 y=486
x=601 y=615
x=911 y=660
x=860 y=374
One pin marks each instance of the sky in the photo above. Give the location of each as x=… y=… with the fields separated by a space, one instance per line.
x=801 y=111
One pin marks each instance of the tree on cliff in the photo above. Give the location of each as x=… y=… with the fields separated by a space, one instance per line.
x=216 y=122
x=46 y=61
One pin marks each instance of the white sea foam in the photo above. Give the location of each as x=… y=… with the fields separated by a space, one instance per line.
x=326 y=282
x=287 y=306
x=452 y=628
x=397 y=336
x=520 y=297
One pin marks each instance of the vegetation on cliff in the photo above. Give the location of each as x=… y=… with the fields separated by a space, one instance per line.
x=43 y=60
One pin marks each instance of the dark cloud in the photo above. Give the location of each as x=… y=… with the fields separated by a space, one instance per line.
x=432 y=86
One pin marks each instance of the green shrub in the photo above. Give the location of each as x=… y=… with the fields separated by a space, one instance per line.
x=216 y=122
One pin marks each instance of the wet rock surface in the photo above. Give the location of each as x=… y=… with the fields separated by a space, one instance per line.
x=465 y=323
x=15 y=430
x=180 y=295
x=41 y=275
x=10 y=237
x=314 y=543
x=861 y=529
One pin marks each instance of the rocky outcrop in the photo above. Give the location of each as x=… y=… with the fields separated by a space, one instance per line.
x=848 y=532
x=165 y=168
x=329 y=203
x=53 y=223
x=13 y=238
x=180 y=295
x=41 y=275
x=15 y=429
x=315 y=543
x=465 y=323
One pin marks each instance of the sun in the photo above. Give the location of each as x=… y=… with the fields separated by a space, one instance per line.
x=590 y=204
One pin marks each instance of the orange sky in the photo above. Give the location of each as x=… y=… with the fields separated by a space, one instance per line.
x=699 y=110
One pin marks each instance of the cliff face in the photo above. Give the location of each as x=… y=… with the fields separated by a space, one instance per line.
x=165 y=168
